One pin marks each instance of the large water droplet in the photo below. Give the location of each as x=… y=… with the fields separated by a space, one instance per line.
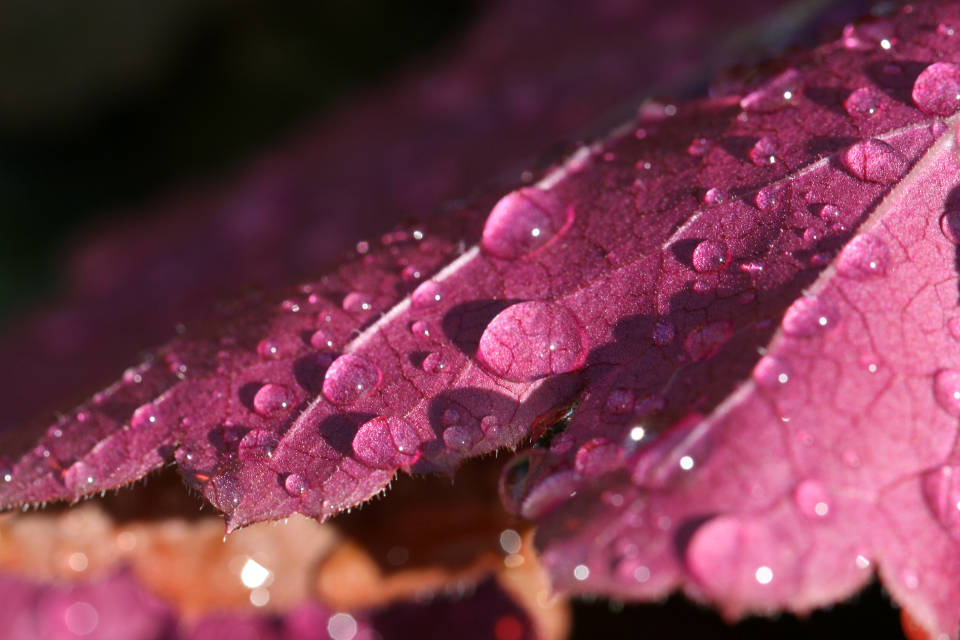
x=349 y=378
x=937 y=89
x=941 y=490
x=772 y=373
x=523 y=221
x=273 y=400
x=865 y=256
x=428 y=294
x=946 y=390
x=812 y=499
x=711 y=255
x=295 y=484
x=79 y=477
x=386 y=443
x=874 y=161
x=460 y=437
x=810 y=316
x=772 y=197
x=863 y=103
x=726 y=555
x=531 y=340
x=778 y=92
x=714 y=196
x=764 y=152
x=706 y=341
x=258 y=444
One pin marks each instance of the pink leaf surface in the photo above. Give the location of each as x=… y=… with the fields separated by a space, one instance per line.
x=742 y=311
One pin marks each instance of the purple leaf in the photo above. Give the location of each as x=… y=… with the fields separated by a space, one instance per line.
x=733 y=323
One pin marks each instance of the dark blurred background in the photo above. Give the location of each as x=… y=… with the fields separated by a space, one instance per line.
x=106 y=103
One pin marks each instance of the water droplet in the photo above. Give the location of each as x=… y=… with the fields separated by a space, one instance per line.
x=79 y=477
x=937 y=89
x=764 y=152
x=953 y=326
x=349 y=378
x=829 y=213
x=411 y=273
x=714 y=196
x=295 y=484
x=596 y=456
x=356 y=302
x=320 y=339
x=273 y=400
x=228 y=491
x=874 y=161
x=428 y=294
x=772 y=197
x=523 y=221
x=772 y=373
x=710 y=255
x=865 y=256
x=700 y=147
x=144 y=416
x=868 y=35
x=950 y=225
x=531 y=340
x=811 y=237
x=620 y=401
x=460 y=437
x=778 y=92
x=386 y=443
x=420 y=329
x=946 y=390
x=945 y=29
x=433 y=363
x=269 y=349
x=490 y=425
x=863 y=103
x=812 y=499
x=809 y=316
x=941 y=490
x=706 y=341
x=664 y=333
x=258 y=444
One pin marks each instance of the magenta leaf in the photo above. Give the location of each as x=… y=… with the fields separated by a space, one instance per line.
x=732 y=327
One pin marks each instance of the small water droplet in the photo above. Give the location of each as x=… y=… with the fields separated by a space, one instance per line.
x=427 y=295
x=811 y=236
x=809 y=316
x=320 y=339
x=269 y=349
x=868 y=35
x=772 y=197
x=874 y=161
x=950 y=225
x=937 y=89
x=710 y=255
x=706 y=341
x=258 y=444
x=778 y=92
x=144 y=416
x=944 y=29
x=228 y=491
x=386 y=443
x=863 y=103
x=812 y=499
x=295 y=484
x=946 y=390
x=79 y=477
x=460 y=437
x=531 y=340
x=490 y=425
x=772 y=373
x=273 y=400
x=433 y=363
x=829 y=214
x=349 y=378
x=523 y=221
x=664 y=333
x=411 y=273
x=357 y=302
x=700 y=147
x=714 y=196
x=865 y=256
x=620 y=401
x=764 y=152
x=420 y=329
x=953 y=326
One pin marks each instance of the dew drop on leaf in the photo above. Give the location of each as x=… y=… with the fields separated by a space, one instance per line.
x=349 y=378
x=764 y=152
x=941 y=491
x=771 y=373
x=868 y=35
x=320 y=339
x=809 y=316
x=829 y=213
x=428 y=294
x=950 y=225
x=863 y=103
x=228 y=492
x=79 y=477
x=772 y=197
x=258 y=444
x=386 y=443
x=433 y=363
x=357 y=302
x=531 y=340
x=812 y=499
x=273 y=400
x=460 y=437
x=707 y=340
x=937 y=89
x=710 y=255
x=946 y=390
x=865 y=256
x=490 y=425
x=620 y=401
x=778 y=92
x=874 y=161
x=714 y=196
x=523 y=221
x=295 y=484
x=699 y=147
